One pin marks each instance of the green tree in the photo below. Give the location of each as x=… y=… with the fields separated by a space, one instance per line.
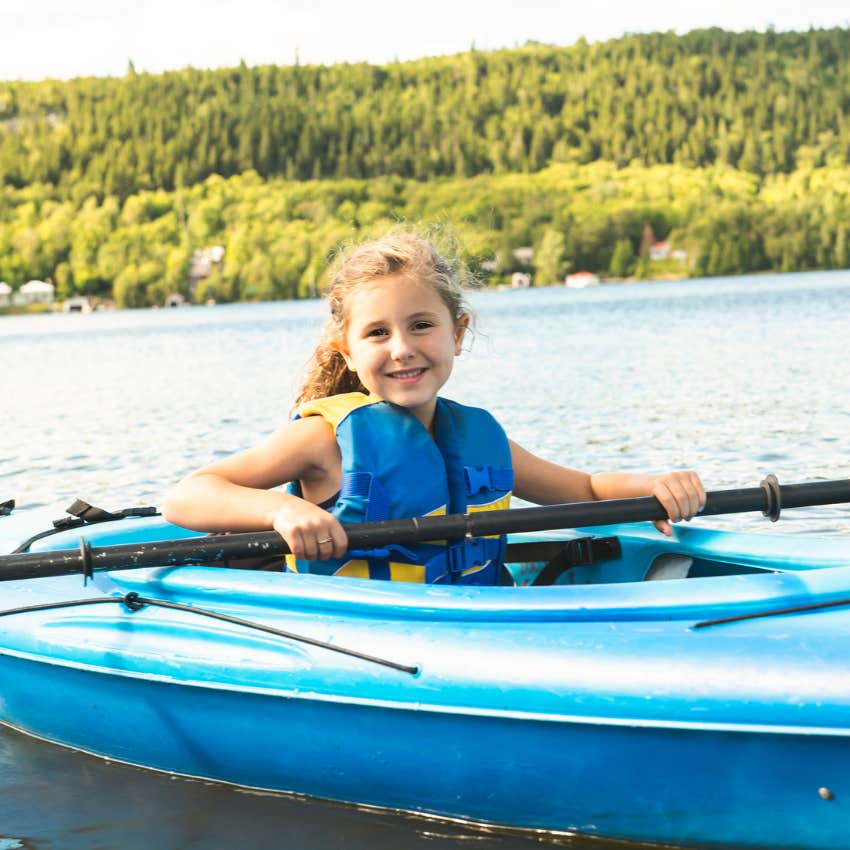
x=623 y=259
x=550 y=262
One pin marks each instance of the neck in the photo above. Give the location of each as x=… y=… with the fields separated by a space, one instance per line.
x=427 y=418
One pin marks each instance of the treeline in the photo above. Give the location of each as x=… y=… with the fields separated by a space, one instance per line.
x=763 y=103
x=278 y=234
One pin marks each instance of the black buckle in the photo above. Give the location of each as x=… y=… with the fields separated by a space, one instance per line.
x=580 y=552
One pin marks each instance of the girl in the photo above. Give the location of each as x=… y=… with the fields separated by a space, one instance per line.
x=373 y=440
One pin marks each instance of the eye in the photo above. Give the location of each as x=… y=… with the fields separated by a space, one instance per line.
x=376 y=332
x=422 y=325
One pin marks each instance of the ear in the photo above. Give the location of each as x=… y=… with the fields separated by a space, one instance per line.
x=461 y=326
x=341 y=349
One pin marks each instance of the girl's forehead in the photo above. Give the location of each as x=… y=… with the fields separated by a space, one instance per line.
x=392 y=293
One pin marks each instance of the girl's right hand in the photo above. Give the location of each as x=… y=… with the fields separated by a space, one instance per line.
x=311 y=533
x=681 y=494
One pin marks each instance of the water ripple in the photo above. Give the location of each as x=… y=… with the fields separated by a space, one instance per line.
x=735 y=377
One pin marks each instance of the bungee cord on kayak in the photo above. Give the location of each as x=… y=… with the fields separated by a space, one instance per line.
x=133 y=602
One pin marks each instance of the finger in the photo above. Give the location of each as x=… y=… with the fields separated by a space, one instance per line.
x=685 y=492
x=310 y=544
x=325 y=545
x=664 y=493
x=340 y=541
x=296 y=543
x=701 y=494
x=696 y=493
x=679 y=487
x=314 y=548
x=664 y=526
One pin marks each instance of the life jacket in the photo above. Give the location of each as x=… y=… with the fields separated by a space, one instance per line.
x=393 y=469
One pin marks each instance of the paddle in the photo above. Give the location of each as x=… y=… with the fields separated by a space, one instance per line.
x=769 y=498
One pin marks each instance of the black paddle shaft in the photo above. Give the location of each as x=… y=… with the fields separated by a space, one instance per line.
x=769 y=498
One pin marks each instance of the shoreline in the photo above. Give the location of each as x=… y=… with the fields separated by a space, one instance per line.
x=56 y=307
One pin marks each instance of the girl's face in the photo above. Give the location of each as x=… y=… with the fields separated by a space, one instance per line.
x=401 y=340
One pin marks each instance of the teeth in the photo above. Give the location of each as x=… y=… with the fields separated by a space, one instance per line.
x=407 y=373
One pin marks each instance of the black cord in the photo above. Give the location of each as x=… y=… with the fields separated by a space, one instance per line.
x=774 y=612
x=134 y=602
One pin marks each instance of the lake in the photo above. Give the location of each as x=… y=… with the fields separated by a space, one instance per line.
x=735 y=377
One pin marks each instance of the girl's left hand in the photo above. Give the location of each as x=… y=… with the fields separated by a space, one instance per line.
x=682 y=496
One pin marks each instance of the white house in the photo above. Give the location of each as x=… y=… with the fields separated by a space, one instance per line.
x=77 y=304
x=5 y=293
x=659 y=251
x=35 y=292
x=581 y=279
x=175 y=300
x=202 y=262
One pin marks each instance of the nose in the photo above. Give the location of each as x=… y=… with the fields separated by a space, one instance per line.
x=401 y=348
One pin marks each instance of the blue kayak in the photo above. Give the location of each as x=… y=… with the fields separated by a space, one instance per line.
x=611 y=703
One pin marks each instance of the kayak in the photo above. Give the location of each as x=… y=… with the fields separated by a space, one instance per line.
x=691 y=690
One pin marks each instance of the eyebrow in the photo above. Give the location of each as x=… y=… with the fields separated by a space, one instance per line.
x=413 y=317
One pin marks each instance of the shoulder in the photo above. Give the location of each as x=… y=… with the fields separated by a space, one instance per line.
x=335 y=408
x=310 y=438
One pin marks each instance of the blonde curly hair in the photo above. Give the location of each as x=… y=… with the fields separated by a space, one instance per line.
x=403 y=253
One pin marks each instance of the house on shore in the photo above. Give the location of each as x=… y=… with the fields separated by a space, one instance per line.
x=581 y=279
x=659 y=251
x=175 y=300
x=202 y=263
x=34 y=292
x=5 y=293
x=77 y=304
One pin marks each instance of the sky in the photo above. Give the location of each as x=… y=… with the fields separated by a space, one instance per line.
x=70 y=38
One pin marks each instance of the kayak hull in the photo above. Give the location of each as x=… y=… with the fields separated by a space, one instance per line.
x=642 y=783
x=591 y=708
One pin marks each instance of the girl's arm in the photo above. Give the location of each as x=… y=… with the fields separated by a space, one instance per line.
x=544 y=483
x=234 y=494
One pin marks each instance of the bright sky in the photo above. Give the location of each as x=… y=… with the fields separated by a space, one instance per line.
x=67 y=38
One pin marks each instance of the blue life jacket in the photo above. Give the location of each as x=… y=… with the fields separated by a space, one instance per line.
x=393 y=469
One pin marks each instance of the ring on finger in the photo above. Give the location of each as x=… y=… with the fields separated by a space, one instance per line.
x=325 y=540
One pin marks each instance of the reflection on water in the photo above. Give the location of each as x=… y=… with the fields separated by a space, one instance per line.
x=58 y=799
x=736 y=378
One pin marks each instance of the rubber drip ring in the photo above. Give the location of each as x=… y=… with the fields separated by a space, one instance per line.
x=86 y=560
x=773 y=497
x=133 y=602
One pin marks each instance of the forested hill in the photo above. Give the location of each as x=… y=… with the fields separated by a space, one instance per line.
x=760 y=102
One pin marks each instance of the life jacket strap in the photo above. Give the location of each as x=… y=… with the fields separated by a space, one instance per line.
x=366 y=487
x=379 y=559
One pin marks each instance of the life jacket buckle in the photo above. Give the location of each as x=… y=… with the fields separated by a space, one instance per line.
x=477 y=479
x=467 y=554
x=486 y=479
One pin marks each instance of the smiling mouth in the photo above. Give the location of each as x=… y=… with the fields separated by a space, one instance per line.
x=406 y=374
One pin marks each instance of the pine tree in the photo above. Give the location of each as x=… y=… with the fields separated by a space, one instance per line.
x=623 y=259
